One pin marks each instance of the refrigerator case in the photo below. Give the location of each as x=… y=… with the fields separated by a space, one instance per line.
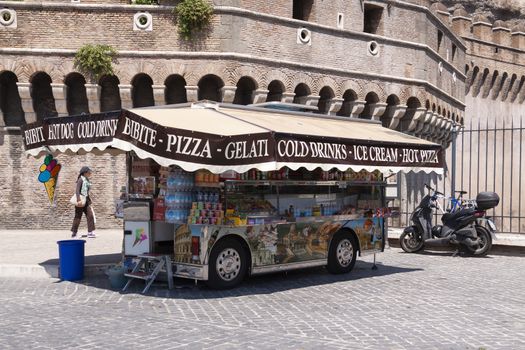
x=137 y=238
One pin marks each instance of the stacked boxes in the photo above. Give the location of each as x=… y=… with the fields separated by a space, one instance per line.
x=207 y=209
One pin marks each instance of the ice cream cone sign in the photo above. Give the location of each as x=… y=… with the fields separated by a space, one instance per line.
x=49 y=175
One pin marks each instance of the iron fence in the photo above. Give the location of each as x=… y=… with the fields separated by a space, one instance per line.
x=488 y=158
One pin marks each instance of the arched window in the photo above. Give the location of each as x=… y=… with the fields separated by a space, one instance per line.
x=210 y=88
x=413 y=103
x=42 y=95
x=512 y=86
x=109 y=93
x=492 y=84
x=472 y=81
x=275 y=91
x=371 y=98
x=175 y=89
x=10 y=102
x=392 y=102
x=142 y=93
x=499 y=89
x=520 y=89
x=348 y=98
x=76 y=97
x=325 y=96
x=244 y=92
x=301 y=92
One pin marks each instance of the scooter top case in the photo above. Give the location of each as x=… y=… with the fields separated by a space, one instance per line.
x=487 y=200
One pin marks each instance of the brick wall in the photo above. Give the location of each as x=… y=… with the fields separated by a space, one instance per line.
x=24 y=202
x=345 y=51
x=38 y=28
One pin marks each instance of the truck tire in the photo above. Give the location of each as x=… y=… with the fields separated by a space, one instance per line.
x=342 y=253
x=227 y=265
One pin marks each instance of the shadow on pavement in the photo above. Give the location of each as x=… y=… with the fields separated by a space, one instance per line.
x=444 y=252
x=91 y=259
x=497 y=249
x=100 y=261
x=256 y=285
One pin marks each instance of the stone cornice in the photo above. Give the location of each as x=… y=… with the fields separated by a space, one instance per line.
x=461 y=17
x=244 y=57
x=520 y=66
x=490 y=43
x=271 y=18
x=501 y=28
x=482 y=23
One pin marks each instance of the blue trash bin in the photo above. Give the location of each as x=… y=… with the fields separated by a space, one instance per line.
x=71 y=256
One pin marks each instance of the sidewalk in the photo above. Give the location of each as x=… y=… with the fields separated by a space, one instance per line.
x=34 y=253
x=506 y=243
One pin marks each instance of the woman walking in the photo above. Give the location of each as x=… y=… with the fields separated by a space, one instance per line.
x=82 y=191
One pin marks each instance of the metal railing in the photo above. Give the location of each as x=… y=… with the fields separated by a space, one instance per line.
x=489 y=158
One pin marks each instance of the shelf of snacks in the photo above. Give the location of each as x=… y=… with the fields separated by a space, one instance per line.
x=208 y=184
x=297 y=183
x=303 y=175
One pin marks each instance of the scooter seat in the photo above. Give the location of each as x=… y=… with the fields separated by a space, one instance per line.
x=447 y=216
x=458 y=213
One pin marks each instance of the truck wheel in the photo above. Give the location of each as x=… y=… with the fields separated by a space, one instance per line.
x=342 y=254
x=228 y=264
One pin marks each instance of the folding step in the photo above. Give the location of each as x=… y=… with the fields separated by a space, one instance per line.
x=157 y=257
x=140 y=275
x=149 y=275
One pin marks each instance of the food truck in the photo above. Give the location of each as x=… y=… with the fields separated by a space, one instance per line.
x=229 y=191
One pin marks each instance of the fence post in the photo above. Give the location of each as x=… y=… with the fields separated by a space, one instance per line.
x=453 y=167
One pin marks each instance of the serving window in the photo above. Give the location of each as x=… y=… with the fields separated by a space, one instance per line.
x=253 y=197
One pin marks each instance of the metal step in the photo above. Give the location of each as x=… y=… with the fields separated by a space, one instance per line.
x=149 y=275
x=156 y=257
x=139 y=274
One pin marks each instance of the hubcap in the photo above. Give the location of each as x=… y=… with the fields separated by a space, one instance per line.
x=228 y=264
x=481 y=241
x=345 y=252
x=411 y=241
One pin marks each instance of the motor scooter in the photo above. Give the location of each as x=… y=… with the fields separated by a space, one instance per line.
x=465 y=227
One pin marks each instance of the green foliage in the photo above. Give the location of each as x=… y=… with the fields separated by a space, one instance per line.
x=192 y=15
x=95 y=60
x=144 y=2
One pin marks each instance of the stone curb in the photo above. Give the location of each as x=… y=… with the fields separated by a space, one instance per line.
x=498 y=249
x=47 y=271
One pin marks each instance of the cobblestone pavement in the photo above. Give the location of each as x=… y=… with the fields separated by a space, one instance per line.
x=426 y=301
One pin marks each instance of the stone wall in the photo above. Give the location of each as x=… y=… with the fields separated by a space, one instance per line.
x=24 y=202
x=410 y=85
x=407 y=45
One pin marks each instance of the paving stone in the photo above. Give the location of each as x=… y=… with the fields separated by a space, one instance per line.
x=430 y=301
